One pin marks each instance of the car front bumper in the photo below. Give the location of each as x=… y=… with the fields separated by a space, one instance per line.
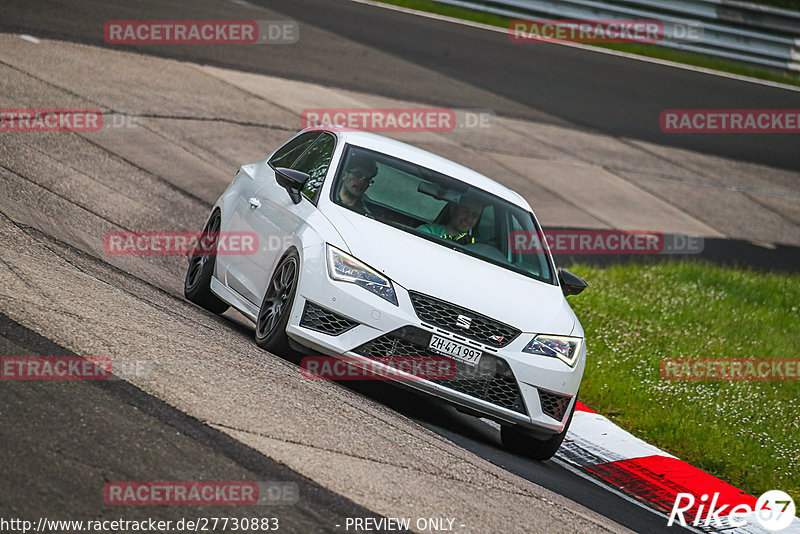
x=342 y=319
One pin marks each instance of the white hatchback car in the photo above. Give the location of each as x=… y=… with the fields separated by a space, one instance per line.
x=371 y=248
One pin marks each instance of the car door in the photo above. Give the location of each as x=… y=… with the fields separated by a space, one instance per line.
x=278 y=218
x=236 y=268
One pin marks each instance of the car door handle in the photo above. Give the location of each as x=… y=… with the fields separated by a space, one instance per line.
x=254 y=203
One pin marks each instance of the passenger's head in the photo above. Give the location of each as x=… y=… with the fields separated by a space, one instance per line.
x=358 y=176
x=465 y=214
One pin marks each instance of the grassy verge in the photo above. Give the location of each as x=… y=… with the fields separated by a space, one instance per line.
x=659 y=52
x=747 y=433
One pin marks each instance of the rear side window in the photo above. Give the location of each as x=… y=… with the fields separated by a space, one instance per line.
x=286 y=155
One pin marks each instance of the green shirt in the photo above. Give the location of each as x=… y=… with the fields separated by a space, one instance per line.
x=435 y=229
x=440 y=230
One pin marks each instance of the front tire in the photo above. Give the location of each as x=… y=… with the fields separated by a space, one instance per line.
x=197 y=284
x=276 y=307
x=521 y=443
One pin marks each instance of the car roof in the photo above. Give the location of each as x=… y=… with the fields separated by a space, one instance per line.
x=427 y=159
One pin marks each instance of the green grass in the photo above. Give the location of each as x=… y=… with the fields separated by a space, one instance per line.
x=659 y=52
x=747 y=433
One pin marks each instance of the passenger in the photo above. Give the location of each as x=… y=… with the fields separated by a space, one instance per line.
x=463 y=217
x=355 y=181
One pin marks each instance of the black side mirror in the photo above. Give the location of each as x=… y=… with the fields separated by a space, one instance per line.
x=570 y=284
x=291 y=180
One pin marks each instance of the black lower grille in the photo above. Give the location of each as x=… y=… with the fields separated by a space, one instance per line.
x=554 y=405
x=491 y=380
x=318 y=318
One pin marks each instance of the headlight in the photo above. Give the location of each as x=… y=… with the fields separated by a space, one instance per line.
x=346 y=268
x=562 y=347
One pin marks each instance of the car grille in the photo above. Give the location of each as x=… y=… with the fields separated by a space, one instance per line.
x=444 y=315
x=554 y=405
x=491 y=380
x=318 y=318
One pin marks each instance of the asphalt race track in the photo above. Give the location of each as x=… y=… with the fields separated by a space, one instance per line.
x=68 y=434
x=195 y=399
x=364 y=48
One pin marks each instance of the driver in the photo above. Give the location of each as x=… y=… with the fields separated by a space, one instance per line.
x=463 y=217
x=355 y=181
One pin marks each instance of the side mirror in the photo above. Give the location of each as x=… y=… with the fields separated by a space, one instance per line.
x=291 y=180
x=570 y=284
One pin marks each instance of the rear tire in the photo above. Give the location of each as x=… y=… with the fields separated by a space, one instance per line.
x=276 y=307
x=526 y=445
x=197 y=284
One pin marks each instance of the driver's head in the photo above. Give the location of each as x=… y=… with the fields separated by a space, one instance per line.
x=358 y=176
x=465 y=214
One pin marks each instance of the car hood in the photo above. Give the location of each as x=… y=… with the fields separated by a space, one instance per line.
x=426 y=267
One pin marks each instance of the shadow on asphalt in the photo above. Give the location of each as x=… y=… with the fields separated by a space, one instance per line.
x=66 y=439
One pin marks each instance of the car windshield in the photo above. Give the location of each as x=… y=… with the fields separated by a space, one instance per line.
x=439 y=208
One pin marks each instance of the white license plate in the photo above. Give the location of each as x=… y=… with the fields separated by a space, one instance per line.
x=455 y=350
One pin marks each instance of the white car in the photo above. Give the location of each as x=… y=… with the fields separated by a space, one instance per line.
x=370 y=248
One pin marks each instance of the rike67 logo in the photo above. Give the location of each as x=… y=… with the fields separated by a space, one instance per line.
x=774 y=511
